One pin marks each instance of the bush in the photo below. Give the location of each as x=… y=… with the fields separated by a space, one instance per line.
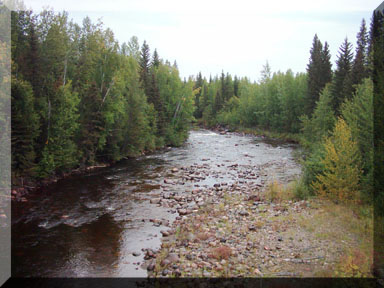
x=313 y=166
x=300 y=190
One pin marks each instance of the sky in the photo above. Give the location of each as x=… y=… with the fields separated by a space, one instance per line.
x=238 y=37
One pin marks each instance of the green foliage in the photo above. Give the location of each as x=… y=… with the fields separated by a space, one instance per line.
x=78 y=98
x=300 y=190
x=342 y=83
x=358 y=113
x=60 y=147
x=360 y=63
x=377 y=48
x=340 y=178
x=322 y=120
x=25 y=128
x=275 y=103
x=313 y=166
x=319 y=73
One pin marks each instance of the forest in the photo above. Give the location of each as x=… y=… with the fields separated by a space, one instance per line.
x=80 y=99
x=329 y=110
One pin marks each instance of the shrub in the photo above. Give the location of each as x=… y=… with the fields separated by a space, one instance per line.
x=300 y=190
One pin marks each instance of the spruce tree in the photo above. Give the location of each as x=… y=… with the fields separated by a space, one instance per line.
x=265 y=73
x=156 y=100
x=198 y=84
x=358 y=113
x=319 y=72
x=377 y=44
x=342 y=85
x=326 y=65
x=25 y=128
x=144 y=63
x=228 y=88
x=236 y=86
x=155 y=59
x=360 y=63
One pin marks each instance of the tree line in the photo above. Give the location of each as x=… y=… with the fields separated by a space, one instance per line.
x=78 y=97
x=330 y=109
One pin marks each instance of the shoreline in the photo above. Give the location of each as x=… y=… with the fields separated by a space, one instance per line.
x=19 y=192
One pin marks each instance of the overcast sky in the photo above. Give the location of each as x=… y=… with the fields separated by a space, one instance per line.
x=235 y=36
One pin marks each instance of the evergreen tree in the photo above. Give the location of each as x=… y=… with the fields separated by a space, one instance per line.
x=322 y=121
x=157 y=101
x=33 y=71
x=25 y=128
x=144 y=62
x=319 y=72
x=199 y=107
x=358 y=113
x=340 y=178
x=236 y=86
x=218 y=104
x=326 y=65
x=377 y=44
x=360 y=63
x=91 y=124
x=265 y=73
x=342 y=85
x=228 y=90
x=155 y=59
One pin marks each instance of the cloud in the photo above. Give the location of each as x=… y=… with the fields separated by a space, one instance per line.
x=237 y=36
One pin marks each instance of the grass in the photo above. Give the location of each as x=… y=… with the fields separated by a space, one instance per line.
x=335 y=223
x=277 y=193
x=295 y=190
x=346 y=230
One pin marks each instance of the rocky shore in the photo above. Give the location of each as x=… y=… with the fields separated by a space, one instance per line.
x=234 y=230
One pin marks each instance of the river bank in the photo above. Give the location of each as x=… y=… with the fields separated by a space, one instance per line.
x=241 y=230
x=278 y=137
x=100 y=223
x=137 y=218
x=25 y=186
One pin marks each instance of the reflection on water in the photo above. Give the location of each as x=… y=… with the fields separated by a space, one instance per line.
x=89 y=225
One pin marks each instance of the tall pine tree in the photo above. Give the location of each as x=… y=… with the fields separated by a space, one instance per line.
x=342 y=85
x=145 y=64
x=319 y=72
x=360 y=63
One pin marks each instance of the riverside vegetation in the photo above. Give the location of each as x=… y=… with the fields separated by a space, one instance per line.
x=79 y=98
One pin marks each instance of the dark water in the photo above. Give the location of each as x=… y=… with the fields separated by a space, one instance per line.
x=89 y=225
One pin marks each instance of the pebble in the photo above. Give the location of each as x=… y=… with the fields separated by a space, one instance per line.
x=165 y=272
x=226 y=223
x=155 y=200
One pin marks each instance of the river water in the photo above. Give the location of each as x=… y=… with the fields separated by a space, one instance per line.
x=90 y=225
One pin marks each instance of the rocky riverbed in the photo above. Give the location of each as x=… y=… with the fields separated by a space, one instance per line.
x=235 y=230
x=198 y=210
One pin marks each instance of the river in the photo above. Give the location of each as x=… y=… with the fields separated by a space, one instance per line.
x=90 y=225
